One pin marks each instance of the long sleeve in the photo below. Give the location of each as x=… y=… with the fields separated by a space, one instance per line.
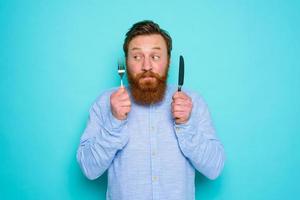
x=101 y=140
x=199 y=143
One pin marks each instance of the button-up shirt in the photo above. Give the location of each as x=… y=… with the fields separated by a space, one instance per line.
x=148 y=156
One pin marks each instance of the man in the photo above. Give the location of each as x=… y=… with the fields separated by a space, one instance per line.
x=150 y=137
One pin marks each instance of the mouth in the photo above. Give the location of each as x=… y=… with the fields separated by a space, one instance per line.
x=147 y=78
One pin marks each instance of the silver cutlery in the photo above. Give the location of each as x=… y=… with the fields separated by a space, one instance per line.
x=121 y=71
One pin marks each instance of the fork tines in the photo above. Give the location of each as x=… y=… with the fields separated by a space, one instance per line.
x=121 y=71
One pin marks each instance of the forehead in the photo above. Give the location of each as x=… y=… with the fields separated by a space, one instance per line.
x=143 y=42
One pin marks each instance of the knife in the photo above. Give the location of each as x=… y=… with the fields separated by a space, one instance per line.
x=181 y=73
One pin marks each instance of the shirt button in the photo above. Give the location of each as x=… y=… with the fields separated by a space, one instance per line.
x=177 y=128
x=153 y=153
x=154 y=178
x=152 y=128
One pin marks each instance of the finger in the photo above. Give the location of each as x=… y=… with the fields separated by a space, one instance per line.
x=181 y=108
x=123 y=95
x=122 y=87
x=178 y=114
x=180 y=95
x=121 y=90
x=179 y=121
x=125 y=110
x=186 y=101
x=125 y=103
x=181 y=102
x=175 y=95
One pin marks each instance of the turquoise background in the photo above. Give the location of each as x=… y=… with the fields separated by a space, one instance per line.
x=56 y=57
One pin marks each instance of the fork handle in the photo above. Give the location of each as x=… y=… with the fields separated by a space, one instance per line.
x=179 y=88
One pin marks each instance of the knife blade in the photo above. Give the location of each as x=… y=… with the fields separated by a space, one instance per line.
x=181 y=73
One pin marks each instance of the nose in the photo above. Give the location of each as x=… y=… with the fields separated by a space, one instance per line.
x=147 y=65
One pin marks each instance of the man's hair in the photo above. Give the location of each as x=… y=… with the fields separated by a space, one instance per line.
x=146 y=27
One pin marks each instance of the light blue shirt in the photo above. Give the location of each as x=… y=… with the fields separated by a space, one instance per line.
x=148 y=156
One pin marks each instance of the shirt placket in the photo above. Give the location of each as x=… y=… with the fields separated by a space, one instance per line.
x=154 y=154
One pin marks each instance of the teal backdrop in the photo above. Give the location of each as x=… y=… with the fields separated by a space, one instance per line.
x=57 y=56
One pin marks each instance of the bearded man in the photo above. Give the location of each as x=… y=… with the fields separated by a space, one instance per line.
x=150 y=137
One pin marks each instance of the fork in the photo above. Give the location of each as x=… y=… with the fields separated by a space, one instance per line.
x=121 y=71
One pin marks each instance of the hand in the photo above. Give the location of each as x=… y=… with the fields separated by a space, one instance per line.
x=181 y=107
x=120 y=103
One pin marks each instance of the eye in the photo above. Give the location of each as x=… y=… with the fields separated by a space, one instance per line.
x=155 y=57
x=137 y=57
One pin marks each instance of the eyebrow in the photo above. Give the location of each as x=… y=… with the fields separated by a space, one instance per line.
x=137 y=48
x=158 y=48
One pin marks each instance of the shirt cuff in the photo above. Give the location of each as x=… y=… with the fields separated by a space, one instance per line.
x=184 y=130
x=115 y=124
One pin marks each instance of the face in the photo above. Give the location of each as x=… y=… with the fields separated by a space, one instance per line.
x=147 y=66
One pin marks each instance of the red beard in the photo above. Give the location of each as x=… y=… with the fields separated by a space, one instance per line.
x=147 y=87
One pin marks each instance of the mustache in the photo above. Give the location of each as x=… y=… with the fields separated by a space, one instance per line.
x=148 y=74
